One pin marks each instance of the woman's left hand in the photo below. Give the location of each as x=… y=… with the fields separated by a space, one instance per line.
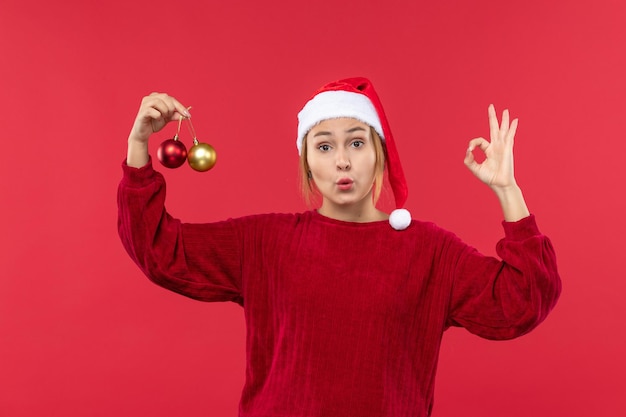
x=497 y=169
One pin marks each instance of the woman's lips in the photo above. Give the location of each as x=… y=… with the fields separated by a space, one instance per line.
x=345 y=184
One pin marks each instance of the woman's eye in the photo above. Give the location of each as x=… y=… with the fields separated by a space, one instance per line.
x=324 y=148
x=357 y=143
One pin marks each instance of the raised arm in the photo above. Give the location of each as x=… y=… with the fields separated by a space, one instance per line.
x=507 y=298
x=201 y=261
x=497 y=170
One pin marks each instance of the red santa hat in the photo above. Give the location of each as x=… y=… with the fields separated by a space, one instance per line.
x=356 y=98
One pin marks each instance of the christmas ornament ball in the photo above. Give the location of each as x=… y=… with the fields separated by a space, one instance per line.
x=172 y=153
x=202 y=157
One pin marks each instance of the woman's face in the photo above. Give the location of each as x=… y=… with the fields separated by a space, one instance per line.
x=342 y=158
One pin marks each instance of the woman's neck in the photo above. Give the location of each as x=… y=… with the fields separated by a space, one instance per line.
x=358 y=213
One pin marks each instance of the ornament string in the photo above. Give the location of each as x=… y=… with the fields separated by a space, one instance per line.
x=176 y=136
x=192 y=131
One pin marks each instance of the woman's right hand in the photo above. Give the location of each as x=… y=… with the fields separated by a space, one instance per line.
x=156 y=111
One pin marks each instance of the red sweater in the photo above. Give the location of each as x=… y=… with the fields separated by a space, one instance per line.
x=343 y=319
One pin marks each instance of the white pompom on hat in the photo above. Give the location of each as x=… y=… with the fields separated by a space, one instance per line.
x=356 y=98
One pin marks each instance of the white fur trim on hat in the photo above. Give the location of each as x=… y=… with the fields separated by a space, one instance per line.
x=335 y=104
x=400 y=219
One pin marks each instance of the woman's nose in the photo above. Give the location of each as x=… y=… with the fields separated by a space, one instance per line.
x=343 y=163
x=342 y=159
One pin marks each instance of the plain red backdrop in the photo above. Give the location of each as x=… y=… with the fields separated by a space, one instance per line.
x=83 y=333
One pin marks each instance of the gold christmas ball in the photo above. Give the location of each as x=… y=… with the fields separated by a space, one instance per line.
x=202 y=157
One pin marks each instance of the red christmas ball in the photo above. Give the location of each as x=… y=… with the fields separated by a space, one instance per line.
x=172 y=153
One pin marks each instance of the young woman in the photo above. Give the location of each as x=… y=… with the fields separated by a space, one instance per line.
x=344 y=313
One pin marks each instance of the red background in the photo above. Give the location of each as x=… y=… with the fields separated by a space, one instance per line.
x=83 y=333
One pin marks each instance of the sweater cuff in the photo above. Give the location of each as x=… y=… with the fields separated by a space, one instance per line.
x=138 y=177
x=521 y=229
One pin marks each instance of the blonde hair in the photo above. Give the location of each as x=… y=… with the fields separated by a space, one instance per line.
x=310 y=192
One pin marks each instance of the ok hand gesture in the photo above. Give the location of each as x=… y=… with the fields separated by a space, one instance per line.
x=497 y=169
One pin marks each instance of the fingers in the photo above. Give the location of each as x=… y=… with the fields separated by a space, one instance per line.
x=494 y=130
x=505 y=128
x=480 y=143
x=512 y=129
x=168 y=107
x=469 y=160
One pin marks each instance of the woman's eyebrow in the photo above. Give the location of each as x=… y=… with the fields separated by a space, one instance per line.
x=351 y=130
x=356 y=129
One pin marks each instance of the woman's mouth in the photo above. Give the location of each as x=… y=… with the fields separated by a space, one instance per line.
x=344 y=184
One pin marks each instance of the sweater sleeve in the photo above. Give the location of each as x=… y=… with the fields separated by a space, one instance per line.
x=201 y=261
x=503 y=299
